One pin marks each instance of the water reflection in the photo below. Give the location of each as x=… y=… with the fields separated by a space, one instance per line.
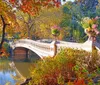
x=12 y=75
x=18 y=73
x=6 y=77
x=23 y=68
x=5 y=73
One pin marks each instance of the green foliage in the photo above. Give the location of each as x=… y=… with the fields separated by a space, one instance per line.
x=6 y=46
x=16 y=36
x=78 y=35
x=55 y=32
x=65 y=10
x=73 y=15
x=72 y=18
x=98 y=10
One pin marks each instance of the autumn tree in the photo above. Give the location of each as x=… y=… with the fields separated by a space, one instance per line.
x=8 y=23
x=32 y=6
x=40 y=25
x=46 y=19
x=26 y=24
x=9 y=18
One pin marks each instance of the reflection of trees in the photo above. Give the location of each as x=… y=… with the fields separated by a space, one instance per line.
x=23 y=68
x=5 y=71
x=33 y=56
x=4 y=67
x=19 y=76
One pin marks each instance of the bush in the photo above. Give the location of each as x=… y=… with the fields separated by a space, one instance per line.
x=68 y=66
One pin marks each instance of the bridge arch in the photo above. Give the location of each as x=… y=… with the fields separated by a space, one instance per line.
x=23 y=51
x=41 y=49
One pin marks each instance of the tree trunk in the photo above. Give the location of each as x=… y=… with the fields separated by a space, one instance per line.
x=3 y=32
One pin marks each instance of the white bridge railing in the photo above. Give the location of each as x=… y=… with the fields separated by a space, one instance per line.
x=42 y=49
x=87 y=46
x=47 y=49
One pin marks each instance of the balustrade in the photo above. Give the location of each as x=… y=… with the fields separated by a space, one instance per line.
x=48 y=48
x=36 y=46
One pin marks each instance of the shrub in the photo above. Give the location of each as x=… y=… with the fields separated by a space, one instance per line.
x=68 y=66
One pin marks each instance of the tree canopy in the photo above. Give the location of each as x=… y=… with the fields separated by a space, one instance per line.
x=32 y=6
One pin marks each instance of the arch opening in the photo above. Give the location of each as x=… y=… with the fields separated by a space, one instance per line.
x=24 y=54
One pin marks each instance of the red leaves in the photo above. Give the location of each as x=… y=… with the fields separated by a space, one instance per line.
x=57 y=4
x=51 y=78
x=12 y=1
x=3 y=53
x=70 y=65
x=29 y=6
x=79 y=82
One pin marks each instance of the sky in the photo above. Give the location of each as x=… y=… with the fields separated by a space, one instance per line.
x=71 y=0
x=63 y=2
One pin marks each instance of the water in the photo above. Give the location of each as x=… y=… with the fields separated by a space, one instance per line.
x=5 y=73
x=6 y=77
x=11 y=76
x=15 y=75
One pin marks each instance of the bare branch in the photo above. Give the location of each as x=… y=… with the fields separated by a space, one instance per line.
x=2 y=19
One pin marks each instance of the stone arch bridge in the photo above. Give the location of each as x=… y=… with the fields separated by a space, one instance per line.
x=43 y=49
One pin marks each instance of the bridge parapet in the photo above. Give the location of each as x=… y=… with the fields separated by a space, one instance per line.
x=87 y=46
x=48 y=49
x=42 y=49
x=34 y=43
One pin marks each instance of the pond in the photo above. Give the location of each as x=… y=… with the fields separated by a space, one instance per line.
x=11 y=75
x=5 y=77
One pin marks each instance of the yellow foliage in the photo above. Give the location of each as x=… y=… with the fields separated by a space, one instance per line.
x=8 y=83
x=88 y=29
x=46 y=19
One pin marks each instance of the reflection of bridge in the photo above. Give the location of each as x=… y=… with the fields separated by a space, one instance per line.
x=43 y=49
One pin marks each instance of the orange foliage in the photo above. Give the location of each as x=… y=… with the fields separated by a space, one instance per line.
x=79 y=82
x=9 y=18
x=33 y=7
x=3 y=53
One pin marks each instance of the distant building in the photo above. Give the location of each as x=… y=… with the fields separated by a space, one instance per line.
x=64 y=1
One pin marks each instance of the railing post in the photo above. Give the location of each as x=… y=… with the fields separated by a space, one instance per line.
x=53 y=48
